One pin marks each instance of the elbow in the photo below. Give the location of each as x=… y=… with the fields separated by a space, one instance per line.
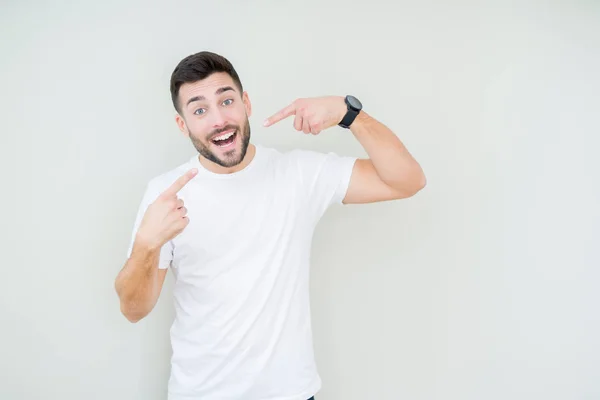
x=406 y=188
x=133 y=314
x=420 y=179
x=133 y=318
x=413 y=179
x=421 y=182
x=130 y=308
x=417 y=183
x=133 y=310
x=413 y=192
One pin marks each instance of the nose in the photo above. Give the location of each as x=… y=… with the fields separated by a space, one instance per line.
x=219 y=119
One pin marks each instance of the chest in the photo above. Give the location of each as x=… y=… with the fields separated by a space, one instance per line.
x=238 y=223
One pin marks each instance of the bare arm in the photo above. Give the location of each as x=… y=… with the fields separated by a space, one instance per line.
x=140 y=281
x=389 y=173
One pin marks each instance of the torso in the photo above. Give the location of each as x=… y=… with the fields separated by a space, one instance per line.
x=242 y=324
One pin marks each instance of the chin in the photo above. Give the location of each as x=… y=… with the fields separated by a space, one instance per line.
x=227 y=149
x=228 y=155
x=230 y=160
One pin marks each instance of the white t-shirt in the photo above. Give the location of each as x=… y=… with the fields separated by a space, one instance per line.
x=242 y=327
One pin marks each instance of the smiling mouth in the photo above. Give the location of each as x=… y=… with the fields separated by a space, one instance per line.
x=225 y=139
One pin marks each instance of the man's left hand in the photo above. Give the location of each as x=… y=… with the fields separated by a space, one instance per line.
x=312 y=115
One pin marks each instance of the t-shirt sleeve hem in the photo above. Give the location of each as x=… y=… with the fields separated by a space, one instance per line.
x=164 y=264
x=347 y=169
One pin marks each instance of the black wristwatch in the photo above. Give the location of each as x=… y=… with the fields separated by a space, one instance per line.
x=354 y=107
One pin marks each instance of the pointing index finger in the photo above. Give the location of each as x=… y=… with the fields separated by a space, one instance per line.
x=180 y=182
x=286 y=112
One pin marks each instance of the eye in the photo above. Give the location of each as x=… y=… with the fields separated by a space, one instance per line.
x=228 y=102
x=200 y=111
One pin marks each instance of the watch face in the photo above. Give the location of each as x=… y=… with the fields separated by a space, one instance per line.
x=354 y=103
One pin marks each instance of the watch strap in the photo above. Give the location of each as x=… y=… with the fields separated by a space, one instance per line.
x=348 y=118
x=350 y=115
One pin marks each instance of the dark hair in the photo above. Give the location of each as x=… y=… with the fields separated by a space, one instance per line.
x=197 y=67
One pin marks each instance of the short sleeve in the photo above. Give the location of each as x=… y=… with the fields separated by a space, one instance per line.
x=325 y=178
x=166 y=252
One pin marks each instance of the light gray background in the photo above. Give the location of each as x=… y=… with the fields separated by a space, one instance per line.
x=483 y=286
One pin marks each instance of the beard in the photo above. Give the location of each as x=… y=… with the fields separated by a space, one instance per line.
x=232 y=157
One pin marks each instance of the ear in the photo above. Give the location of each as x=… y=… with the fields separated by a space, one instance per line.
x=247 y=103
x=181 y=124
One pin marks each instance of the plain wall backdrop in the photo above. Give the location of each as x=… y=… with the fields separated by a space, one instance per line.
x=483 y=286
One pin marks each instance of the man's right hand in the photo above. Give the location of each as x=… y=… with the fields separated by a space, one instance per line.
x=166 y=217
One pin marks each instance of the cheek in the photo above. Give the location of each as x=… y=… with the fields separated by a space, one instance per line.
x=197 y=129
x=231 y=113
x=237 y=114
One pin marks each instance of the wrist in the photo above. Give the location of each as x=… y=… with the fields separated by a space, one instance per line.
x=352 y=108
x=361 y=120
x=343 y=109
x=362 y=117
x=144 y=244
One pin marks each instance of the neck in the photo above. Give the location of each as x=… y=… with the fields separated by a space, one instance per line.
x=218 y=169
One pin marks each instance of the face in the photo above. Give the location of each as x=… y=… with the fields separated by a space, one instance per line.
x=214 y=114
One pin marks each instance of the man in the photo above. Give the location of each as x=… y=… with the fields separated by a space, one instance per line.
x=235 y=225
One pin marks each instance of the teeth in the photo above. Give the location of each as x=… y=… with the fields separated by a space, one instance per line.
x=225 y=136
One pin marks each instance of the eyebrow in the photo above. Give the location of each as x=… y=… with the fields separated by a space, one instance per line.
x=219 y=91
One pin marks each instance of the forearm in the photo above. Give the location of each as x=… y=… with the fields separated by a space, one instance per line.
x=136 y=283
x=393 y=163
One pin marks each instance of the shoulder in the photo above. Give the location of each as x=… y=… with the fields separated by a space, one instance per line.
x=308 y=166
x=320 y=161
